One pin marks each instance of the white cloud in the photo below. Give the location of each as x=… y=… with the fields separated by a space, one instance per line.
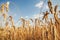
x=26 y=17
x=14 y=15
x=40 y=4
x=47 y=7
x=8 y=2
x=38 y=15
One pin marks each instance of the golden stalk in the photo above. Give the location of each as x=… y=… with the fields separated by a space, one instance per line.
x=37 y=32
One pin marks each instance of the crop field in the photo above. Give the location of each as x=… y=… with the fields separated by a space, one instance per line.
x=31 y=29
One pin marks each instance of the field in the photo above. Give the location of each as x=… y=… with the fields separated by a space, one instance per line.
x=38 y=30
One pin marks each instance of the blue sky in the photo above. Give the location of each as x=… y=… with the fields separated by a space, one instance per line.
x=25 y=8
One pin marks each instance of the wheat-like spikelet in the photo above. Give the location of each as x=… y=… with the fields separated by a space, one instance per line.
x=2 y=8
x=45 y=31
x=23 y=21
x=45 y=16
x=4 y=16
